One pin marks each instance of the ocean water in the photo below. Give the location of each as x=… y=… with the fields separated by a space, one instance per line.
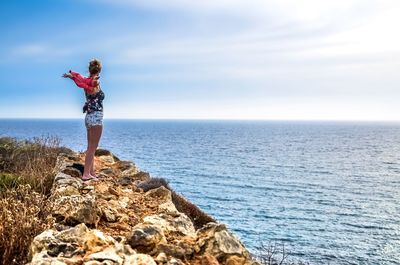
x=329 y=190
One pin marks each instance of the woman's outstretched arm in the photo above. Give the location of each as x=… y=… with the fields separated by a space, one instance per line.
x=86 y=83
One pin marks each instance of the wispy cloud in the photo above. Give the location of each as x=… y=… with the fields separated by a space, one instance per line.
x=233 y=49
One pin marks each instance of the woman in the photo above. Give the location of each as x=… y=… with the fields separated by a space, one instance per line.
x=94 y=112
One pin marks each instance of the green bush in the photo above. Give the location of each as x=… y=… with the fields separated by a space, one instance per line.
x=8 y=181
x=33 y=161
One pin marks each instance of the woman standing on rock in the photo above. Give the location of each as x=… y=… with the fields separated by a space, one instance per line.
x=94 y=112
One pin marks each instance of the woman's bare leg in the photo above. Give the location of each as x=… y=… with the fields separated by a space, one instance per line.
x=94 y=138
x=97 y=131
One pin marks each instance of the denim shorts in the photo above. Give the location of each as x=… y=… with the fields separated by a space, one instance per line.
x=94 y=118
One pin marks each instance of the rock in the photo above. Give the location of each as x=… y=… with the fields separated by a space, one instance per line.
x=214 y=239
x=94 y=262
x=139 y=259
x=69 y=246
x=208 y=260
x=124 y=165
x=109 y=214
x=178 y=250
x=141 y=175
x=163 y=195
x=145 y=238
x=54 y=243
x=65 y=191
x=65 y=185
x=129 y=172
x=172 y=223
x=124 y=202
x=43 y=258
x=107 y=159
x=73 y=172
x=76 y=209
x=107 y=171
x=41 y=241
x=62 y=179
x=114 y=191
x=73 y=235
x=102 y=152
x=174 y=261
x=235 y=260
x=160 y=193
x=108 y=254
x=95 y=240
x=161 y=258
x=125 y=181
x=61 y=162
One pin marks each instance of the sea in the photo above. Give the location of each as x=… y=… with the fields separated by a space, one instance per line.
x=328 y=191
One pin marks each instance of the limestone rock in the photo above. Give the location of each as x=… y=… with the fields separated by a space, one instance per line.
x=62 y=179
x=73 y=172
x=107 y=159
x=179 y=250
x=124 y=165
x=145 y=238
x=76 y=209
x=103 y=152
x=43 y=258
x=95 y=240
x=235 y=260
x=108 y=254
x=168 y=207
x=107 y=171
x=42 y=240
x=139 y=259
x=174 y=261
x=69 y=246
x=161 y=258
x=208 y=260
x=172 y=223
x=160 y=193
x=108 y=214
x=214 y=239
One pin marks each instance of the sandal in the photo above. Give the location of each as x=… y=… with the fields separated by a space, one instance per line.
x=90 y=178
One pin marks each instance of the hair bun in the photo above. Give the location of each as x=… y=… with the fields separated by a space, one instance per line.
x=94 y=66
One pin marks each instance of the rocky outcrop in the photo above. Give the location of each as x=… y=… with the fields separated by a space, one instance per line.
x=127 y=218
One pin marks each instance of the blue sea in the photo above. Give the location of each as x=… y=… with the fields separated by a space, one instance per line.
x=329 y=190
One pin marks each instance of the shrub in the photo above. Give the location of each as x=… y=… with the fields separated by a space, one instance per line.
x=198 y=216
x=8 y=181
x=23 y=215
x=33 y=161
x=153 y=183
x=275 y=254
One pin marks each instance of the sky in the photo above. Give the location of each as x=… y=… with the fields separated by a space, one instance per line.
x=209 y=59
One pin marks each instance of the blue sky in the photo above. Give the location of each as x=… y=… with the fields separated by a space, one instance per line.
x=209 y=59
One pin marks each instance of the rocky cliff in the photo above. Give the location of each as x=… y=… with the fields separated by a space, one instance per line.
x=128 y=217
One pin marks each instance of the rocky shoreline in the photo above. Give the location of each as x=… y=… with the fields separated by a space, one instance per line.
x=128 y=217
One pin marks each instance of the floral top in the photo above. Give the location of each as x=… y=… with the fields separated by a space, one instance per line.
x=94 y=102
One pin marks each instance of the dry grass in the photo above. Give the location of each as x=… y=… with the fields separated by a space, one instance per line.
x=198 y=216
x=33 y=161
x=23 y=215
x=275 y=254
x=153 y=183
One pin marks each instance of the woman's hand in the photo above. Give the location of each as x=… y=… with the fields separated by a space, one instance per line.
x=67 y=75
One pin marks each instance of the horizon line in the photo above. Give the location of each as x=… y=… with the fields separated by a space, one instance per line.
x=206 y=119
